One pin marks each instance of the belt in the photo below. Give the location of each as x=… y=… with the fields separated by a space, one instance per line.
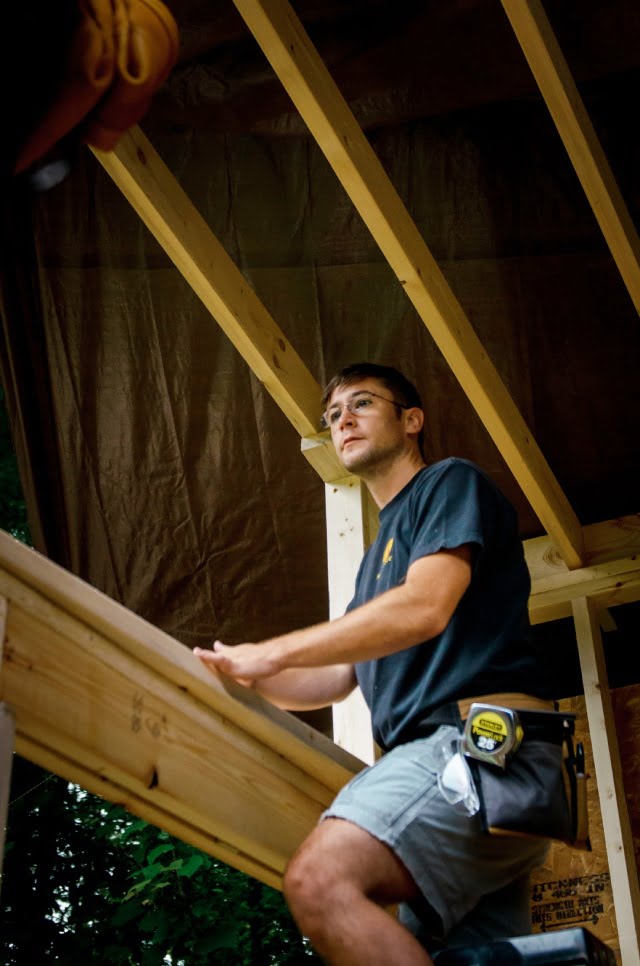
x=539 y=718
x=507 y=699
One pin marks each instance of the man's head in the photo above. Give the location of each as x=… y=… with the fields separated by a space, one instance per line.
x=364 y=389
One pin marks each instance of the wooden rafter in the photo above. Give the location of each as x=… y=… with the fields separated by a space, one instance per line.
x=311 y=88
x=549 y=67
x=165 y=209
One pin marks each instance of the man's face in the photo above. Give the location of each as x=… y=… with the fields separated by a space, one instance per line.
x=370 y=433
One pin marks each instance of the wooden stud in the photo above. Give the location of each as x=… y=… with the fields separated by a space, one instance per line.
x=606 y=756
x=347 y=539
x=552 y=74
x=311 y=88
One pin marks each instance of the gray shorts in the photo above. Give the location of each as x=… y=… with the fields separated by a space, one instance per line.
x=453 y=862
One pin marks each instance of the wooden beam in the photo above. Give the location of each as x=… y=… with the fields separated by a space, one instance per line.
x=552 y=74
x=609 y=540
x=320 y=452
x=147 y=645
x=109 y=788
x=163 y=206
x=100 y=695
x=615 y=817
x=308 y=83
x=607 y=584
x=612 y=542
x=166 y=210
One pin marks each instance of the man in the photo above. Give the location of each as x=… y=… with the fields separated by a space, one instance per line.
x=439 y=615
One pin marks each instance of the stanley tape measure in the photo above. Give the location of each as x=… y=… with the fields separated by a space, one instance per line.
x=492 y=734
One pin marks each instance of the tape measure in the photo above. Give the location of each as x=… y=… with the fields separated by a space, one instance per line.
x=492 y=734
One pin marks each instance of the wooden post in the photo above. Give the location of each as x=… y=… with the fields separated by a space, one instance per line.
x=7 y=743
x=348 y=535
x=606 y=757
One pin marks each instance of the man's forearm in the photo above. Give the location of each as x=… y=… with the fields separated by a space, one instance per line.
x=305 y=689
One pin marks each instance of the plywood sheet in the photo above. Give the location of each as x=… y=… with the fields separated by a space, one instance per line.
x=573 y=887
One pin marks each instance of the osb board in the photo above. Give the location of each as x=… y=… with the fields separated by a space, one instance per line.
x=573 y=888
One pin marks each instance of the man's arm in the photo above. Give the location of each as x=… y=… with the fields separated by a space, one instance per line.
x=297 y=689
x=416 y=611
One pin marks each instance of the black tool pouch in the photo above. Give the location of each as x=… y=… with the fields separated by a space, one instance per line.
x=542 y=791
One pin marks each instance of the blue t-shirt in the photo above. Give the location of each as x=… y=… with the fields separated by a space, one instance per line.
x=486 y=647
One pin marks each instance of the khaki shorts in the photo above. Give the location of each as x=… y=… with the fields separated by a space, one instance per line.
x=456 y=866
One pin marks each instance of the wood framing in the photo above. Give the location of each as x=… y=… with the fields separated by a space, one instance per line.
x=312 y=90
x=349 y=532
x=549 y=67
x=103 y=698
x=606 y=756
x=612 y=552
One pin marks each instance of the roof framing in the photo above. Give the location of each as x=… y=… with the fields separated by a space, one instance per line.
x=328 y=117
x=567 y=573
x=549 y=67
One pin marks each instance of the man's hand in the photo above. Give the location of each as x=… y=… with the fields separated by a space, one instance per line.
x=246 y=663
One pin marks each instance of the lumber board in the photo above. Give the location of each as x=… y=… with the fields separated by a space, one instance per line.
x=91 y=707
x=606 y=756
x=549 y=67
x=319 y=450
x=164 y=207
x=348 y=536
x=615 y=542
x=284 y=733
x=110 y=790
x=609 y=540
x=607 y=584
x=311 y=88
x=162 y=204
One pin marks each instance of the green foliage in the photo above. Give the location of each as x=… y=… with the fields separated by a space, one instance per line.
x=107 y=888
x=86 y=882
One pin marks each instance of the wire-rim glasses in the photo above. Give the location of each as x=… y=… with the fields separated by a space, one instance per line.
x=358 y=405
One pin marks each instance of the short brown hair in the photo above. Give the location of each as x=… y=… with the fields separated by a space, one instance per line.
x=403 y=391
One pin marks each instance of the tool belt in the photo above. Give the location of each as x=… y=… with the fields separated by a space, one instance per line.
x=529 y=777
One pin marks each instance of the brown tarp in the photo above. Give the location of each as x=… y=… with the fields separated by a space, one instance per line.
x=155 y=465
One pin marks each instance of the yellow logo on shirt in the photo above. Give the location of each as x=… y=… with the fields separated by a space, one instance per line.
x=387 y=555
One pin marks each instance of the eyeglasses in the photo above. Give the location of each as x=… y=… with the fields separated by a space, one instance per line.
x=358 y=405
x=455 y=780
